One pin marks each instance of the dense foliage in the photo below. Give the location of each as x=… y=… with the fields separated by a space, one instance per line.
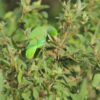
x=50 y=58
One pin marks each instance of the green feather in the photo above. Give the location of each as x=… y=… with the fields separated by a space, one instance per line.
x=52 y=31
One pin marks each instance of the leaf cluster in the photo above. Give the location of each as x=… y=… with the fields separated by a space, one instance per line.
x=44 y=61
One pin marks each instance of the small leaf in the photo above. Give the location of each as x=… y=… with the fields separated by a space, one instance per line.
x=26 y=95
x=82 y=95
x=83 y=90
x=20 y=75
x=35 y=93
x=1 y=81
x=8 y=15
x=96 y=81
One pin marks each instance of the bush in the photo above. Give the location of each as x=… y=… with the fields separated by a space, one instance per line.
x=52 y=59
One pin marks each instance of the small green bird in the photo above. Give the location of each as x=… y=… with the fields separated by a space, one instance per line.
x=37 y=38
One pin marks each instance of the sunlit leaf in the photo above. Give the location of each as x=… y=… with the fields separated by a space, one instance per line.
x=20 y=75
x=35 y=93
x=96 y=81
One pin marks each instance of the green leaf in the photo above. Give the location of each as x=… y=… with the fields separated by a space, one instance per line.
x=96 y=81
x=19 y=36
x=1 y=81
x=8 y=15
x=35 y=93
x=2 y=8
x=83 y=90
x=20 y=76
x=26 y=95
